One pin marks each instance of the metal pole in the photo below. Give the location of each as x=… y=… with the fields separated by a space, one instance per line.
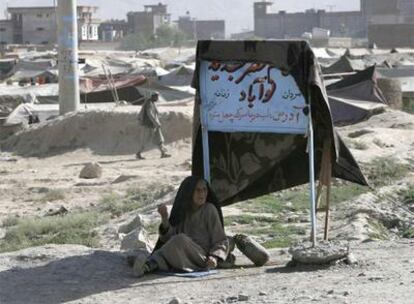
x=312 y=177
x=204 y=121
x=68 y=56
x=206 y=150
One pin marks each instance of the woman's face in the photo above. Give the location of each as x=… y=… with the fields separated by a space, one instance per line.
x=200 y=194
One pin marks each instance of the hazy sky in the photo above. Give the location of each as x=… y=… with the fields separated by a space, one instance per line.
x=237 y=13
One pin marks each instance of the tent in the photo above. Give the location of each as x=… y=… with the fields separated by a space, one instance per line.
x=356 y=97
x=244 y=165
x=362 y=85
x=345 y=65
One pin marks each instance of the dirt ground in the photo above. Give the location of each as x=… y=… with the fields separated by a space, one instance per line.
x=29 y=168
x=384 y=273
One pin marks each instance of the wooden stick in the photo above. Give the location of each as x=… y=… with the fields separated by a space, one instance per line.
x=327 y=211
x=318 y=194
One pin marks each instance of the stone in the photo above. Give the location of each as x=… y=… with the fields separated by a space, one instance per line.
x=175 y=301
x=242 y=298
x=322 y=253
x=61 y=211
x=262 y=293
x=231 y=299
x=135 y=240
x=351 y=260
x=123 y=178
x=137 y=222
x=91 y=170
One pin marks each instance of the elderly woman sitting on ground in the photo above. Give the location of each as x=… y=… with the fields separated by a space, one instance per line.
x=193 y=237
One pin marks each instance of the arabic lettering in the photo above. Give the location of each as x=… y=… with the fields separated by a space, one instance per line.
x=215 y=77
x=289 y=95
x=222 y=93
x=264 y=96
x=251 y=116
x=253 y=68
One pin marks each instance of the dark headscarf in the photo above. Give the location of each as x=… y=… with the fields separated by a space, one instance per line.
x=184 y=200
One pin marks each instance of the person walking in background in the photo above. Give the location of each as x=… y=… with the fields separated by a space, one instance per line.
x=151 y=131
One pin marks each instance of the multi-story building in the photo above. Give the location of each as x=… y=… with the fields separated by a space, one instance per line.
x=289 y=25
x=388 y=23
x=6 y=32
x=202 y=29
x=112 y=30
x=149 y=20
x=87 y=24
x=38 y=25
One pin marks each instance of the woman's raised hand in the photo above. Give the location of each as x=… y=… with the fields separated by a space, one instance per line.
x=163 y=211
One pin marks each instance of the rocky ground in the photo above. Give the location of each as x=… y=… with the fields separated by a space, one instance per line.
x=35 y=183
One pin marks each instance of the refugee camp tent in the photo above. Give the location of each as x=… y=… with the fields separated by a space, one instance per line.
x=345 y=65
x=28 y=70
x=166 y=93
x=362 y=85
x=6 y=67
x=101 y=90
x=246 y=165
x=181 y=76
x=356 y=98
x=10 y=102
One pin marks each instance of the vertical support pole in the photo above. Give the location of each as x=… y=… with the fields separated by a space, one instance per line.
x=204 y=121
x=206 y=150
x=206 y=153
x=327 y=211
x=68 y=56
x=312 y=176
x=319 y=194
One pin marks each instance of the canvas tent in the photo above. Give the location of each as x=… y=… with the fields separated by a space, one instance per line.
x=246 y=165
x=345 y=65
x=181 y=76
x=356 y=97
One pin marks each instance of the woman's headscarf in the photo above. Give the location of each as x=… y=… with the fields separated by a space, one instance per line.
x=184 y=200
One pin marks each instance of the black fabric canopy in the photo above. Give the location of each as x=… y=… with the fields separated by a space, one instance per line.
x=247 y=165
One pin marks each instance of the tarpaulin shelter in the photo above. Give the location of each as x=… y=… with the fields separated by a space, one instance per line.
x=345 y=65
x=244 y=165
x=100 y=90
x=6 y=67
x=181 y=76
x=356 y=98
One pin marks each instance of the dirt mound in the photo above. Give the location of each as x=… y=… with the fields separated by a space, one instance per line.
x=105 y=132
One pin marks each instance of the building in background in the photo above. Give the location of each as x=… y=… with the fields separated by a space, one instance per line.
x=87 y=24
x=387 y=23
x=6 y=32
x=201 y=29
x=37 y=25
x=148 y=21
x=112 y=30
x=390 y=22
x=283 y=25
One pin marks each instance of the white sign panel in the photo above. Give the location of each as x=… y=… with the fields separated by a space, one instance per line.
x=251 y=97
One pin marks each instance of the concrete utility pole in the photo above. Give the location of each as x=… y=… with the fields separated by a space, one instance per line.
x=68 y=56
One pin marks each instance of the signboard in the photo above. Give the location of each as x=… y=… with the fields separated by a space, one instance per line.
x=254 y=97
x=251 y=97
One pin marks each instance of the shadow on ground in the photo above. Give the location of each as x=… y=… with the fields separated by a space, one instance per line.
x=67 y=279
